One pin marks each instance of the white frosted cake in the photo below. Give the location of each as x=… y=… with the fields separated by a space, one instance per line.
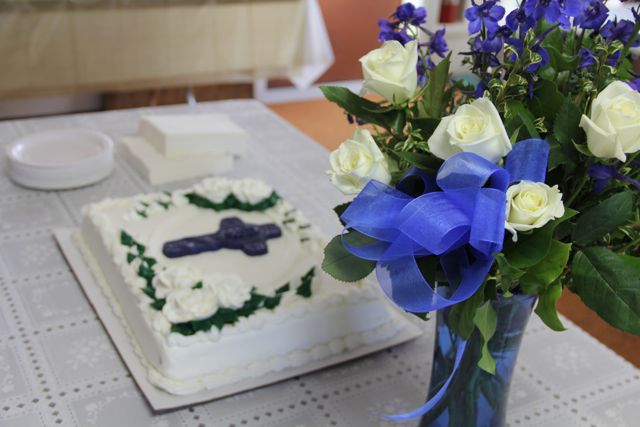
x=221 y=282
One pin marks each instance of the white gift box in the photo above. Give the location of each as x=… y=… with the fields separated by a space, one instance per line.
x=158 y=169
x=189 y=134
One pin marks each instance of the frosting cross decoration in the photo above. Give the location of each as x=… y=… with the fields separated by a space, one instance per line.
x=233 y=234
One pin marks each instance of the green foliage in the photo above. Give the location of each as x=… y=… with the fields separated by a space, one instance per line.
x=566 y=135
x=546 y=101
x=604 y=218
x=369 y=111
x=519 y=117
x=462 y=315
x=434 y=95
x=508 y=275
x=341 y=264
x=610 y=285
x=422 y=161
x=533 y=248
x=425 y=126
x=486 y=320
x=539 y=276
x=339 y=210
x=304 y=290
x=546 y=308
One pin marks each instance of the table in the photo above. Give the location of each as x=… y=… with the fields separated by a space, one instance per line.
x=58 y=367
x=62 y=47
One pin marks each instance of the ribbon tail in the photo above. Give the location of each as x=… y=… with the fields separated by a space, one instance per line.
x=431 y=403
x=528 y=161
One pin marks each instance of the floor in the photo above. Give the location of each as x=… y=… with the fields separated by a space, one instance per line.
x=327 y=124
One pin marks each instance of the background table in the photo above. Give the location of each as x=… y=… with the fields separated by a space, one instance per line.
x=61 y=47
x=58 y=367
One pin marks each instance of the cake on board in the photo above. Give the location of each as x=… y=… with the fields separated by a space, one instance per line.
x=221 y=282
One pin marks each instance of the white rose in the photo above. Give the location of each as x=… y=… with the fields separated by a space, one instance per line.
x=474 y=128
x=174 y=278
x=614 y=126
x=185 y=305
x=532 y=205
x=230 y=290
x=357 y=161
x=390 y=71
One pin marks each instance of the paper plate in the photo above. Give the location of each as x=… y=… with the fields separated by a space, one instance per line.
x=60 y=159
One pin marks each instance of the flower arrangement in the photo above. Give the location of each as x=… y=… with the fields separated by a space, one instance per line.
x=521 y=181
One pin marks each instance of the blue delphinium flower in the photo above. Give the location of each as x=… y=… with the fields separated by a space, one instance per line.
x=603 y=174
x=518 y=46
x=410 y=14
x=438 y=43
x=518 y=19
x=586 y=58
x=635 y=84
x=551 y=10
x=392 y=31
x=618 y=30
x=592 y=14
x=397 y=28
x=486 y=14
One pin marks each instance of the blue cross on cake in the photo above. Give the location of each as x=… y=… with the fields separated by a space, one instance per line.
x=233 y=234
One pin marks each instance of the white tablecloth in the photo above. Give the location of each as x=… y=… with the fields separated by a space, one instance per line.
x=64 y=47
x=58 y=367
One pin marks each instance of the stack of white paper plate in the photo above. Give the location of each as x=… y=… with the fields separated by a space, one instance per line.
x=60 y=159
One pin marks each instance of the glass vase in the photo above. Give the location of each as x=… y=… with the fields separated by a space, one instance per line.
x=476 y=398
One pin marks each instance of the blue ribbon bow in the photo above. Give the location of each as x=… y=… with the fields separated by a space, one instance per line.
x=459 y=216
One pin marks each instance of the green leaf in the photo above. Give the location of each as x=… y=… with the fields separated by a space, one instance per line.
x=462 y=315
x=339 y=210
x=344 y=266
x=126 y=239
x=530 y=249
x=566 y=128
x=604 y=218
x=486 y=321
x=610 y=285
x=434 y=95
x=509 y=275
x=539 y=276
x=546 y=308
x=560 y=61
x=582 y=149
x=158 y=304
x=546 y=101
x=520 y=115
x=304 y=290
x=426 y=162
x=425 y=126
x=362 y=108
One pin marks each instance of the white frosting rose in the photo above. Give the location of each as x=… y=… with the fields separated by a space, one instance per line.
x=185 y=305
x=357 y=161
x=614 y=126
x=230 y=290
x=215 y=190
x=178 y=198
x=532 y=205
x=474 y=128
x=175 y=278
x=161 y=324
x=250 y=190
x=390 y=71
